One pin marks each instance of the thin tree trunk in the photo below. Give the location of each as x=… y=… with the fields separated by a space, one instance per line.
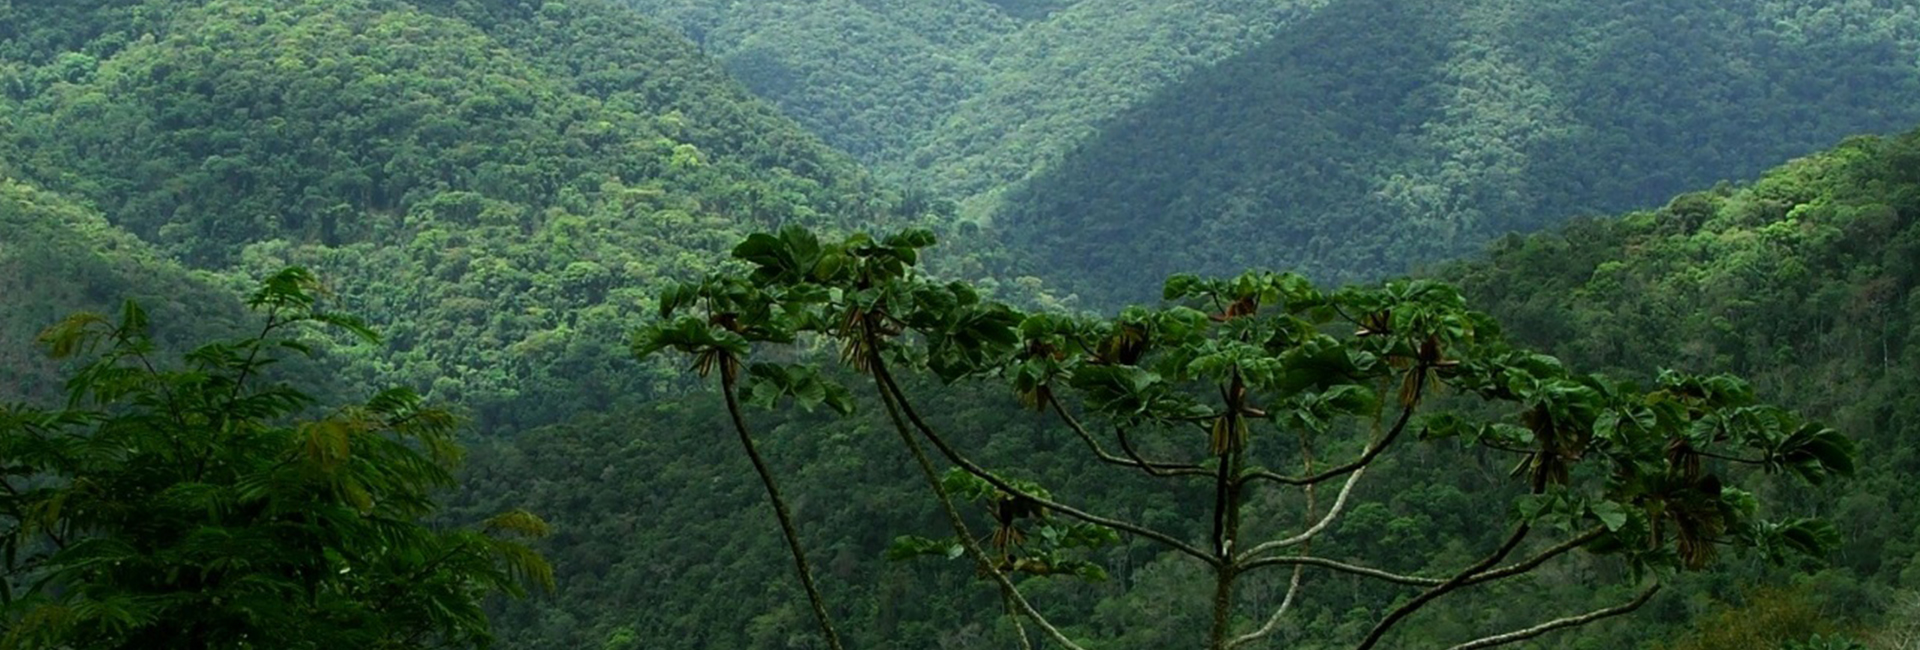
x=780 y=512
x=1227 y=572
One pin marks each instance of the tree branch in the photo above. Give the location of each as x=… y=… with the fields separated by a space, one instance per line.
x=888 y=385
x=1342 y=567
x=1366 y=458
x=1339 y=503
x=1152 y=468
x=1534 y=562
x=780 y=512
x=1299 y=570
x=1735 y=459
x=1273 y=622
x=1460 y=580
x=1560 y=623
x=1508 y=571
x=972 y=546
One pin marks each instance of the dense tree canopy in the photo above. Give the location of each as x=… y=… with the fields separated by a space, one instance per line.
x=204 y=504
x=1111 y=143
x=1254 y=362
x=59 y=256
x=1803 y=282
x=495 y=185
x=1376 y=135
x=504 y=187
x=1692 y=287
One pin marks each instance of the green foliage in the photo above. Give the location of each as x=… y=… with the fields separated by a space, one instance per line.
x=59 y=257
x=499 y=186
x=1812 y=309
x=1260 y=361
x=1801 y=282
x=207 y=505
x=868 y=75
x=503 y=188
x=1817 y=642
x=1110 y=143
x=1372 y=136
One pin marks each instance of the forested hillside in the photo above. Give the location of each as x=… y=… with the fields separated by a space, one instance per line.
x=58 y=257
x=493 y=185
x=1380 y=133
x=503 y=188
x=963 y=96
x=1800 y=280
x=1125 y=140
x=1804 y=281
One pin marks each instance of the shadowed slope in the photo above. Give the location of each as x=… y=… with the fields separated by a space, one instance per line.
x=1378 y=134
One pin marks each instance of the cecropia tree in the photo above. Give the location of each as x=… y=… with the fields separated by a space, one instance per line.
x=1262 y=382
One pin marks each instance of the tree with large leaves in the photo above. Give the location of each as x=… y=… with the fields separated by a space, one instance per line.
x=1255 y=383
x=206 y=505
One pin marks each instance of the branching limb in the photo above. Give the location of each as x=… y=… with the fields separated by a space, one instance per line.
x=780 y=512
x=888 y=386
x=1507 y=571
x=1734 y=459
x=1366 y=457
x=1560 y=623
x=1273 y=622
x=1339 y=503
x=971 y=545
x=1014 y=614
x=1133 y=458
x=1538 y=559
x=1460 y=580
x=1299 y=570
x=1126 y=445
x=1341 y=567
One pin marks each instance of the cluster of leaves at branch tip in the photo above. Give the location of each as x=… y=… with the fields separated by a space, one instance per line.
x=1025 y=540
x=205 y=503
x=1265 y=354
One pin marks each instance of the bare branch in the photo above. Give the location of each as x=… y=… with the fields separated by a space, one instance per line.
x=972 y=546
x=889 y=386
x=1460 y=580
x=1534 y=562
x=1560 y=623
x=1134 y=460
x=1421 y=581
x=1273 y=622
x=1339 y=503
x=1341 y=567
x=1366 y=457
x=780 y=512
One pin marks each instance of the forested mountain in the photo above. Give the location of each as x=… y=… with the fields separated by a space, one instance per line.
x=493 y=185
x=58 y=256
x=1800 y=280
x=867 y=75
x=963 y=96
x=1127 y=140
x=503 y=187
x=1804 y=282
x=1380 y=133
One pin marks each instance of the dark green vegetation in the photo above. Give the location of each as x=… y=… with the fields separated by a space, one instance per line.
x=58 y=257
x=963 y=96
x=1378 y=134
x=1804 y=282
x=494 y=186
x=202 y=504
x=1238 y=377
x=503 y=187
x=1801 y=282
x=1114 y=142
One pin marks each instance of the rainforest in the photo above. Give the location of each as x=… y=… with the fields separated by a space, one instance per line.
x=959 y=324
